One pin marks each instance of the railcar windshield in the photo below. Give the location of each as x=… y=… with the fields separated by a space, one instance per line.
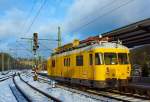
x=110 y=58
x=123 y=58
x=98 y=58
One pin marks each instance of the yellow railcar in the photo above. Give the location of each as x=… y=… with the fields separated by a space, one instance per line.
x=100 y=65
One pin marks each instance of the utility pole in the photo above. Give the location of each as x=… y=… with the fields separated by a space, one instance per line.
x=8 y=62
x=2 y=61
x=59 y=37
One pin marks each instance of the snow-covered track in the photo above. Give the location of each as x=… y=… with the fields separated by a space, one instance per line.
x=5 y=73
x=24 y=95
x=41 y=92
x=18 y=96
x=118 y=96
x=108 y=94
x=98 y=93
x=6 y=77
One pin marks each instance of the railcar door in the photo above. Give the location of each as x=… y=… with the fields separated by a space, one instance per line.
x=68 y=67
x=90 y=65
x=84 y=68
x=79 y=65
x=53 y=66
x=65 y=71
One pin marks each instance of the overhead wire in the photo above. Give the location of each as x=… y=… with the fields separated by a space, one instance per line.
x=27 y=16
x=46 y=47
x=37 y=14
x=100 y=16
x=20 y=45
x=100 y=8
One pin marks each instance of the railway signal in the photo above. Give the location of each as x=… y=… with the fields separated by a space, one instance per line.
x=35 y=40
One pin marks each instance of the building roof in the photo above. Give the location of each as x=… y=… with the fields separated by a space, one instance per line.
x=132 y=35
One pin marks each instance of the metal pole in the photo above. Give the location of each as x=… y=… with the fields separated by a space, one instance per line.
x=16 y=65
x=8 y=62
x=59 y=37
x=3 y=61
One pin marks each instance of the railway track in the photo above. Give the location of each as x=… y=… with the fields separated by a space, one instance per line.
x=129 y=94
x=106 y=94
x=6 y=77
x=20 y=90
x=2 y=73
x=99 y=99
x=112 y=94
x=37 y=94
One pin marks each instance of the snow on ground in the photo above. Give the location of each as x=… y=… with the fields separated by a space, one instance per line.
x=18 y=95
x=5 y=92
x=7 y=73
x=62 y=94
x=29 y=92
x=43 y=72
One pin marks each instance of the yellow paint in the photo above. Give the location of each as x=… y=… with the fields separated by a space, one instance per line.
x=90 y=72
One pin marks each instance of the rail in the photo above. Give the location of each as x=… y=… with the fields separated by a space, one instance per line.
x=6 y=77
x=26 y=97
x=116 y=95
x=38 y=90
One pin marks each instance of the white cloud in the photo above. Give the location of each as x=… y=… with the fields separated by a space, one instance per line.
x=11 y=23
x=79 y=12
x=134 y=12
x=84 y=11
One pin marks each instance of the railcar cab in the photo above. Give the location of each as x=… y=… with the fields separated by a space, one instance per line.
x=112 y=66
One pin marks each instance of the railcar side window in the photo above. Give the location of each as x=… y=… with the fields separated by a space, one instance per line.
x=90 y=59
x=122 y=58
x=69 y=61
x=98 y=58
x=66 y=61
x=53 y=63
x=79 y=60
x=110 y=58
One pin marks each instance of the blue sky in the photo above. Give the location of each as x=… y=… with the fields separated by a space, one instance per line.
x=71 y=15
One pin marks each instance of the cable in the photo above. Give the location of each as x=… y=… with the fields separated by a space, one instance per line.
x=28 y=15
x=100 y=8
x=46 y=47
x=84 y=25
x=37 y=14
x=24 y=47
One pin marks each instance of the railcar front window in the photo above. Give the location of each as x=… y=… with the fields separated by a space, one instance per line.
x=110 y=58
x=122 y=58
x=98 y=59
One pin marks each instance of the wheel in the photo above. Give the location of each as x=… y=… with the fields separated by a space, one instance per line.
x=126 y=90
x=148 y=93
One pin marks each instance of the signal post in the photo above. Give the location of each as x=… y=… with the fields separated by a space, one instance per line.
x=35 y=47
